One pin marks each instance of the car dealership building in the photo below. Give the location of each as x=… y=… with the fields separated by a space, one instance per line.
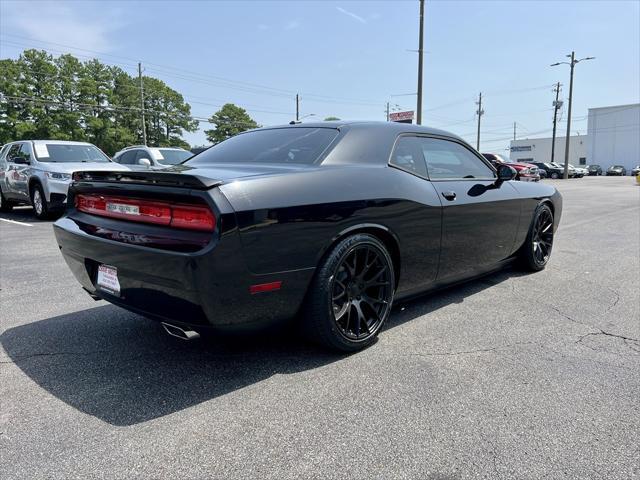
x=613 y=138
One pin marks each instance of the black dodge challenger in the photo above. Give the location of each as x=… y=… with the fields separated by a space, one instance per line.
x=324 y=222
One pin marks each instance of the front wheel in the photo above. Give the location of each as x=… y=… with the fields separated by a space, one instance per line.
x=554 y=176
x=39 y=203
x=536 y=250
x=351 y=295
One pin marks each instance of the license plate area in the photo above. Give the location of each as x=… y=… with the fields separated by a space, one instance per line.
x=107 y=279
x=123 y=208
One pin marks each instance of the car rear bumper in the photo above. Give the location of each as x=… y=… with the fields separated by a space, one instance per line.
x=209 y=288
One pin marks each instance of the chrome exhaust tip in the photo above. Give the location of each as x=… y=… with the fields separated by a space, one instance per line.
x=180 y=333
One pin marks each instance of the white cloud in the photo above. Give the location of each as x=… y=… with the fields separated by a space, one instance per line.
x=292 y=25
x=351 y=14
x=55 y=22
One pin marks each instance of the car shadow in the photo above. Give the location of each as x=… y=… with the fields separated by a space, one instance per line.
x=124 y=370
x=25 y=214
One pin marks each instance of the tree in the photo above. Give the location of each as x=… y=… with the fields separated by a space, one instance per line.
x=229 y=121
x=331 y=119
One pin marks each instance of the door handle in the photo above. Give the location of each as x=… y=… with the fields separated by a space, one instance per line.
x=449 y=195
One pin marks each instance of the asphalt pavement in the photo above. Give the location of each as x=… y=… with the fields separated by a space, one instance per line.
x=510 y=376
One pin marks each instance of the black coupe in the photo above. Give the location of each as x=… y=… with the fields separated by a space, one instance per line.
x=328 y=223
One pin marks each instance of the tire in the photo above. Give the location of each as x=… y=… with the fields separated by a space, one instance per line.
x=39 y=202
x=536 y=251
x=5 y=205
x=351 y=295
x=554 y=175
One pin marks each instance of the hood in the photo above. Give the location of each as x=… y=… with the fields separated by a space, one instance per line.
x=71 y=167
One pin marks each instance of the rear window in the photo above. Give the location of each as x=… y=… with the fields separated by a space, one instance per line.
x=300 y=145
x=61 y=153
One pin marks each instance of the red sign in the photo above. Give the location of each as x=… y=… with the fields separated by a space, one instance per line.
x=405 y=117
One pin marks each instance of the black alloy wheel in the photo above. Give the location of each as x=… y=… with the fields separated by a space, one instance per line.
x=361 y=289
x=352 y=294
x=537 y=248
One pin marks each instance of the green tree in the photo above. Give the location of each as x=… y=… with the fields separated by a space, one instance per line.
x=331 y=119
x=229 y=121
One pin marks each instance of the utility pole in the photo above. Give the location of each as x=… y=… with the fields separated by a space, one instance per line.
x=571 y=64
x=144 y=127
x=568 y=139
x=387 y=111
x=556 y=107
x=514 y=131
x=480 y=112
x=420 y=44
x=297 y=107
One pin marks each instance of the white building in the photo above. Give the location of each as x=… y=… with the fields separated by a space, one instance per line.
x=539 y=150
x=614 y=136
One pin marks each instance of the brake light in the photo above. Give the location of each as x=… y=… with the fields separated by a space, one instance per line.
x=191 y=217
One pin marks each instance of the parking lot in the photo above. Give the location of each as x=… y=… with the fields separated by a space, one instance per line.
x=510 y=376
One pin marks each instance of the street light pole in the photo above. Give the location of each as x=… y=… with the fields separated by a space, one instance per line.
x=571 y=64
x=420 y=43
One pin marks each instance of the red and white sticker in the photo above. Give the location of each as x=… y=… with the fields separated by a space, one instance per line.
x=108 y=279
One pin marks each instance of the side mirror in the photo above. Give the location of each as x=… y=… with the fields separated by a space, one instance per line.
x=506 y=173
x=144 y=161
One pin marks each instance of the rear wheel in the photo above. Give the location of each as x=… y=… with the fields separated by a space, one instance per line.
x=39 y=203
x=5 y=205
x=554 y=175
x=536 y=250
x=351 y=295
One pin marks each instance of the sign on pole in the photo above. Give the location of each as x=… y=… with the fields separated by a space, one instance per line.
x=402 y=117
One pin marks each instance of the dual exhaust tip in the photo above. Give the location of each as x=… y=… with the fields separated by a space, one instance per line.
x=179 y=332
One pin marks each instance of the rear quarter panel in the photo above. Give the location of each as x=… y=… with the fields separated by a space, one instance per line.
x=288 y=222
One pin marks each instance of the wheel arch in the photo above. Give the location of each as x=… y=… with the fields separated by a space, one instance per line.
x=383 y=233
x=34 y=180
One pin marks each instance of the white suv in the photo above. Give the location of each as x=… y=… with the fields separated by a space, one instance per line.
x=38 y=172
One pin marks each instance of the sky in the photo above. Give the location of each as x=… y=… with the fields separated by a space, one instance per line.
x=349 y=58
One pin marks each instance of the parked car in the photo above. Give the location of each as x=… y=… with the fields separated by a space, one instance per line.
x=616 y=170
x=552 y=170
x=525 y=172
x=332 y=220
x=151 y=157
x=38 y=172
x=579 y=171
x=594 y=170
x=635 y=170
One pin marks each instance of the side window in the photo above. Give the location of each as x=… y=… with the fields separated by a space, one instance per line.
x=128 y=157
x=25 y=152
x=14 y=152
x=143 y=154
x=407 y=155
x=450 y=160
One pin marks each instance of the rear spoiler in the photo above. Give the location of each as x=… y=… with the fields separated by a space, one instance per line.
x=164 y=179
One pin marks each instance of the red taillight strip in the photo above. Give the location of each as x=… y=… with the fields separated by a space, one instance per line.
x=265 y=287
x=185 y=216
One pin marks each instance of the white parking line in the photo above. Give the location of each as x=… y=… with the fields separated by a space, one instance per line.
x=18 y=223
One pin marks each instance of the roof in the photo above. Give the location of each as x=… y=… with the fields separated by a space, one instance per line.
x=55 y=142
x=389 y=126
x=628 y=105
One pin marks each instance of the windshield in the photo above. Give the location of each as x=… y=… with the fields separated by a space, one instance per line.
x=300 y=145
x=594 y=166
x=69 y=153
x=617 y=166
x=173 y=157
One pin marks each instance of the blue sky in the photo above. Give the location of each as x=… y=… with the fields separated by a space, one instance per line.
x=348 y=58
